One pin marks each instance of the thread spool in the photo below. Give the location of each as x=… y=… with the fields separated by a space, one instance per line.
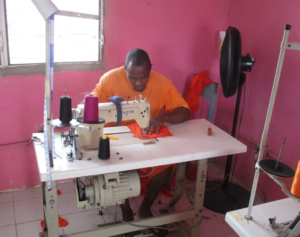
x=209 y=131
x=65 y=108
x=104 y=149
x=295 y=190
x=90 y=112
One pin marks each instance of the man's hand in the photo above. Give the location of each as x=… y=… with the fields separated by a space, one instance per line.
x=156 y=122
x=178 y=115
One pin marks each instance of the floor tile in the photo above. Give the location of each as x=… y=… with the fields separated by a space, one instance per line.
x=110 y=212
x=67 y=204
x=83 y=221
x=28 y=193
x=159 y=203
x=211 y=220
x=183 y=204
x=24 y=207
x=8 y=231
x=29 y=210
x=7 y=216
x=31 y=229
x=6 y=197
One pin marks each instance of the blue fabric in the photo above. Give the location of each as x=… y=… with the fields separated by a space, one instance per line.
x=117 y=101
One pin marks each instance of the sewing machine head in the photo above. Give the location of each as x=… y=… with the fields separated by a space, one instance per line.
x=89 y=133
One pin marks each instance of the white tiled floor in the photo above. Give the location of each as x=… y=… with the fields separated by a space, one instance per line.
x=21 y=213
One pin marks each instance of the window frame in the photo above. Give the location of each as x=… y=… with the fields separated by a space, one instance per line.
x=39 y=68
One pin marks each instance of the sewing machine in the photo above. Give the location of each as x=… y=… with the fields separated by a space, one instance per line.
x=85 y=136
x=108 y=189
x=88 y=134
x=279 y=218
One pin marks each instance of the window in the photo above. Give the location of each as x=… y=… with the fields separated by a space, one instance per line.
x=77 y=40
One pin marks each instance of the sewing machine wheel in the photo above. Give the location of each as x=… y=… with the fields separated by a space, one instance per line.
x=57 y=123
x=80 y=120
x=282 y=170
x=81 y=190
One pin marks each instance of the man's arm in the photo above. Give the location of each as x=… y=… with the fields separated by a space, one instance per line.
x=178 y=115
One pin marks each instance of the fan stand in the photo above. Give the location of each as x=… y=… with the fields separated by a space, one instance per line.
x=229 y=196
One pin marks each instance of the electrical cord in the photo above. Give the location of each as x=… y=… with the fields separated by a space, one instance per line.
x=235 y=157
x=231 y=173
x=284 y=233
x=263 y=193
x=147 y=174
x=188 y=195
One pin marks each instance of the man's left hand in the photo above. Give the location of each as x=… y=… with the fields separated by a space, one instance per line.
x=178 y=115
x=156 y=122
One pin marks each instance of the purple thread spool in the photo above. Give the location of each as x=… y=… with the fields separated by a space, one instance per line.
x=90 y=112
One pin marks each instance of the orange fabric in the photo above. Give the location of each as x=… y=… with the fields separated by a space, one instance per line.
x=191 y=172
x=198 y=83
x=295 y=190
x=137 y=131
x=157 y=170
x=61 y=221
x=159 y=91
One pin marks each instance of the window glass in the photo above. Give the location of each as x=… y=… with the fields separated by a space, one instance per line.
x=75 y=39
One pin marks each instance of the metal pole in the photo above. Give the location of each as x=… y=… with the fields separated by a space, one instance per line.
x=236 y=114
x=268 y=118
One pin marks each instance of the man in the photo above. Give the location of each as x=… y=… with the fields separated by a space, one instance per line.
x=133 y=79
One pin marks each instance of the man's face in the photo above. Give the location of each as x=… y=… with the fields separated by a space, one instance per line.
x=138 y=76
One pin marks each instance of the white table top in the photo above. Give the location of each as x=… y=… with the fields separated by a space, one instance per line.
x=189 y=142
x=284 y=210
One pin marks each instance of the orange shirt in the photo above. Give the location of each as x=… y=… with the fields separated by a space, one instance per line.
x=160 y=91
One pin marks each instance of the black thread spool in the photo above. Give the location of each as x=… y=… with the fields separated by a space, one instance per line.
x=65 y=109
x=104 y=149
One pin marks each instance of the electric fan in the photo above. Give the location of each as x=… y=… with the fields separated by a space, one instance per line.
x=228 y=197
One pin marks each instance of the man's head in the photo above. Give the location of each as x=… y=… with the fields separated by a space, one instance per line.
x=138 y=68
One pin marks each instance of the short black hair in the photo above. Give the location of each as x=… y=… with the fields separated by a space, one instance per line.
x=138 y=57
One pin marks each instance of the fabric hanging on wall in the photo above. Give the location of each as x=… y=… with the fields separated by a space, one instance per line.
x=199 y=81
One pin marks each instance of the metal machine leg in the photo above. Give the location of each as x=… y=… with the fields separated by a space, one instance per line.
x=180 y=171
x=199 y=196
x=50 y=211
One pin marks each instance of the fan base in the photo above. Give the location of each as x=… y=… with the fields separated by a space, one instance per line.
x=224 y=200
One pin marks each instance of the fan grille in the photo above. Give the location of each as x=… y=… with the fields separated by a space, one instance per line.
x=230 y=61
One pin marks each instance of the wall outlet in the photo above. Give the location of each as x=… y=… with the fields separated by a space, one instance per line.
x=267 y=151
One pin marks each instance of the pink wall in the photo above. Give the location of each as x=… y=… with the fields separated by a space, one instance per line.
x=261 y=24
x=21 y=113
x=181 y=39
